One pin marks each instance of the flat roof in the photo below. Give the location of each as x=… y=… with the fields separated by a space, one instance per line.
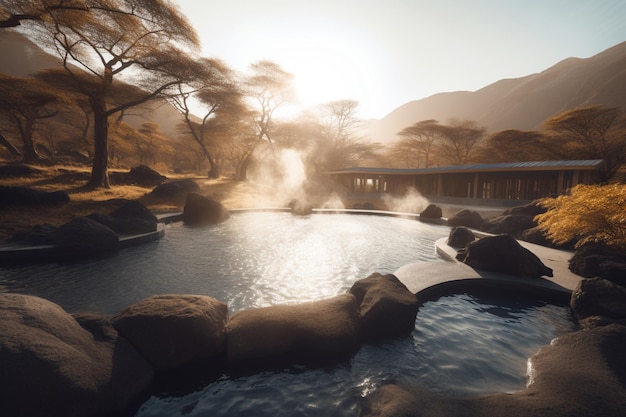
x=582 y=164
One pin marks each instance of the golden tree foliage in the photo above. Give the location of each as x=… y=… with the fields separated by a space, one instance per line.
x=588 y=214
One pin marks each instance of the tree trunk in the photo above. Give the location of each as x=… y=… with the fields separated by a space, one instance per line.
x=99 y=169
x=242 y=169
x=214 y=171
x=30 y=154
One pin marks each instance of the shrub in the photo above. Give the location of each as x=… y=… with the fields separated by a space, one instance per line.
x=588 y=214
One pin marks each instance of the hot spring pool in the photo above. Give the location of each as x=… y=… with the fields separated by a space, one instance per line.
x=463 y=344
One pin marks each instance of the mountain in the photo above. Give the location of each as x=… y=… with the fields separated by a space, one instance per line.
x=521 y=103
x=23 y=58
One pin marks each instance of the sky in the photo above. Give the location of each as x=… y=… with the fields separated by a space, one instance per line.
x=384 y=54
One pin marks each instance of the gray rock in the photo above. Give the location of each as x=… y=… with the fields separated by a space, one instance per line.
x=201 y=211
x=84 y=236
x=502 y=253
x=51 y=366
x=460 y=236
x=512 y=224
x=599 y=297
x=173 y=191
x=172 y=331
x=386 y=307
x=432 y=212
x=467 y=218
x=323 y=329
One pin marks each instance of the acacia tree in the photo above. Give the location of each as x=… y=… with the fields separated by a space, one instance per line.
x=514 y=145
x=594 y=132
x=268 y=86
x=24 y=103
x=216 y=96
x=340 y=145
x=146 y=43
x=458 y=140
x=420 y=137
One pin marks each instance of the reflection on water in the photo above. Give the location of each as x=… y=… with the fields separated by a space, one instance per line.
x=461 y=344
x=459 y=347
x=252 y=260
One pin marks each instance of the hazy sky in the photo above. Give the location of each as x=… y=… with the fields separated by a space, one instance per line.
x=386 y=53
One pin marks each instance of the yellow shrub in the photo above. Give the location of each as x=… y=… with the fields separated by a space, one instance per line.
x=588 y=214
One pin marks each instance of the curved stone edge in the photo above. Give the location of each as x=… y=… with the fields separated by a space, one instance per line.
x=15 y=253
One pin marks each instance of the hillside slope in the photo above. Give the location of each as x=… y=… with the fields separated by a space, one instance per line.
x=521 y=103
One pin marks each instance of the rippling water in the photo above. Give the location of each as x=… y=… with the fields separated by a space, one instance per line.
x=252 y=260
x=462 y=344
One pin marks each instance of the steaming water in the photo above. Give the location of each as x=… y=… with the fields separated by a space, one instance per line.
x=462 y=344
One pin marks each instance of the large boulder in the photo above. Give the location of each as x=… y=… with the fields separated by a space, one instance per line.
x=51 y=366
x=531 y=209
x=502 y=253
x=173 y=191
x=432 y=212
x=84 y=236
x=512 y=224
x=460 y=236
x=599 y=297
x=467 y=218
x=201 y=211
x=141 y=175
x=173 y=331
x=600 y=261
x=134 y=218
x=323 y=329
x=386 y=307
x=131 y=218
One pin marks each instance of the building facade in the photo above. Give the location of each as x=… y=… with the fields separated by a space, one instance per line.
x=515 y=182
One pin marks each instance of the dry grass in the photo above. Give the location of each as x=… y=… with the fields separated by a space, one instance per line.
x=83 y=202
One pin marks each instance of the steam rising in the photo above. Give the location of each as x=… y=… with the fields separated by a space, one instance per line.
x=411 y=202
x=285 y=180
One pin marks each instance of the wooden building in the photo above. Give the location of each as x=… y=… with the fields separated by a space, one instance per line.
x=500 y=182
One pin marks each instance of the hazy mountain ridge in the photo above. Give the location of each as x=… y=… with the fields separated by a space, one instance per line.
x=521 y=103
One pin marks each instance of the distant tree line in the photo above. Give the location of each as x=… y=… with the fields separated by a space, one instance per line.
x=123 y=57
x=590 y=132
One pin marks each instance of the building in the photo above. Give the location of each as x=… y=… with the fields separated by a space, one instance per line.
x=502 y=184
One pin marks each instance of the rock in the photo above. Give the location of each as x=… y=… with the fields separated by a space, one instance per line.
x=600 y=261
x=502 y=253
x=323 y=329
x=460 y=236
x=432 y=212
x=201 y=211
x=24 y=196
x=531 y=209
x=145 y=176
x=174 y=191
x=83 y=236
x=51 y=366
x=172 y=331
x=42 y=234
x=599 y=297
x=467 y=218
x=134 y=218
x=141 y=175
x=386 y=307
x=579 y=374
x=512 y=224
